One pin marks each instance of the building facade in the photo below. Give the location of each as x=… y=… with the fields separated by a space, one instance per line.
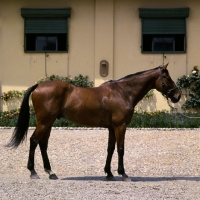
x=68 y=38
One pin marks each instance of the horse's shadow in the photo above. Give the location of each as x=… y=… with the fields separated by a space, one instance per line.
x=133 y=179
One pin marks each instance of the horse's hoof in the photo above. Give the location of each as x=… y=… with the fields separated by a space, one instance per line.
x=53 y=177
x=126 y=178
x=110 y=178
x=34 y=176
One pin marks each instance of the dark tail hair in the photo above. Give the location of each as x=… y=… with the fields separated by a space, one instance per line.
x=21 y=129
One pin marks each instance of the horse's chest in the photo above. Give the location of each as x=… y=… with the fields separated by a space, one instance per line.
x=116 y=112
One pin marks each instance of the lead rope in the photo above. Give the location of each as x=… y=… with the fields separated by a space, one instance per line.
x=176 y=110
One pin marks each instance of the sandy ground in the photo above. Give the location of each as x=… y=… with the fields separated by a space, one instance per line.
x=162 y=164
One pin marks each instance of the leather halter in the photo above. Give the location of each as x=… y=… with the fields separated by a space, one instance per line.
x=164 y=86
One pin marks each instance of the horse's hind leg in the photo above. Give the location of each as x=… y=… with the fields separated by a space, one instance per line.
x=40 y=136
x=31 y=164
x=110 y=150
x=43 y=148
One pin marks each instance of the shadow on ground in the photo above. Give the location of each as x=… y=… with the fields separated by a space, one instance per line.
x=134 y=179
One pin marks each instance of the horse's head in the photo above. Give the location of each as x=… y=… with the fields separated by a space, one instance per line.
x=166 y=85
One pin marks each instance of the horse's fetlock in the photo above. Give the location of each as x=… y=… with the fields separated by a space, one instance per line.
x=121 y=170
x=30 y=166
x=107 y=170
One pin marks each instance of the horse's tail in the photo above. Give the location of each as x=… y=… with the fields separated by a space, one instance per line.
x=21 y=129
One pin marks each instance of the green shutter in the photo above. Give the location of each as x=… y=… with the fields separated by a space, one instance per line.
x=45 y=20
x=45 y=13
x=164 y=21
x=164 y=26
x=46 y=25
x=163 y=13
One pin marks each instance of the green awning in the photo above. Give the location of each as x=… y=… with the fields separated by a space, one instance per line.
x=163 y=26
x=163 y=13
x=45 y=13
x=164 y=21
x=45 y=20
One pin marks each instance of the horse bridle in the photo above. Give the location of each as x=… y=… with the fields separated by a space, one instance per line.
x=164 y=86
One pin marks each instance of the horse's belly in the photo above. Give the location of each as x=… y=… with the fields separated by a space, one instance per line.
x=84 y=117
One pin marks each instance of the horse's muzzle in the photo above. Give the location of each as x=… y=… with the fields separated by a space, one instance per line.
x=175 y=98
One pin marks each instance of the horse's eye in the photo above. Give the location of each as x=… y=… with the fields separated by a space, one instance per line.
x=169 y=79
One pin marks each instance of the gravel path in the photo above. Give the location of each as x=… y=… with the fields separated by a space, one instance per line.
x=162 y=164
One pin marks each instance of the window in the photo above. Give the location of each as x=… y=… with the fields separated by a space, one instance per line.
x=46 y=42
x=45 y=30
x=163 y=43
x=163 y=30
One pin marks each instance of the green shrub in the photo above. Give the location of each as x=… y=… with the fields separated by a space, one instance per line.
x=163 y=119
x=160 y=119
x=80 y=80
x=191 y=84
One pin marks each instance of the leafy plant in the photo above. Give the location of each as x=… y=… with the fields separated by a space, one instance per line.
x=140 y=119
x=80 y=80
x=149 y=95
x=191 y=84
x=12 y=94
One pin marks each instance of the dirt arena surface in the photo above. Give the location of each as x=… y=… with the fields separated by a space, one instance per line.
x=162 y=164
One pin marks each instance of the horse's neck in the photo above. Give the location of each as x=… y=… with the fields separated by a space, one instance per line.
x=140 y=85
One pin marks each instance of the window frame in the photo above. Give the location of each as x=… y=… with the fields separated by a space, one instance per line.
x=43 y=18
x=177 y=15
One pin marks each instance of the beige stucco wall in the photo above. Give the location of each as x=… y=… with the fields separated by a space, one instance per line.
x=98 y=30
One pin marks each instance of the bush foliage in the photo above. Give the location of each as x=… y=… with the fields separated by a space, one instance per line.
x=191 y=84
x=160 y=119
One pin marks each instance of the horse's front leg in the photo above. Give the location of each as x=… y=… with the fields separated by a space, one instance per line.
x=120 y=137
x=110 y=150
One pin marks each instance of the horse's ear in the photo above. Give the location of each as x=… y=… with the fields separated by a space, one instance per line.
x=165 y=66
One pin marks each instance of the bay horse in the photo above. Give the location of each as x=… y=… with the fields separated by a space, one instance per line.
x=111 y=105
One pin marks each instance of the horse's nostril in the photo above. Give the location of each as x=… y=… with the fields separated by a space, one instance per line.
x=175 y=98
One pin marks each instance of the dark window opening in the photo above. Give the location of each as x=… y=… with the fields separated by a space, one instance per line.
x=46 y=42
x=163 y=43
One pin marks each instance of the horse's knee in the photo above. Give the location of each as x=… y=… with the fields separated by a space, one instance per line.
x=120 y=151
x=111 y=149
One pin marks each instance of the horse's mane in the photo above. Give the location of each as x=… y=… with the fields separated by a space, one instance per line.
x=131 y=75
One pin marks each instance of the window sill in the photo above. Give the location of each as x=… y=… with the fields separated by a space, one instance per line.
x=161 y=52
x=45 y=51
